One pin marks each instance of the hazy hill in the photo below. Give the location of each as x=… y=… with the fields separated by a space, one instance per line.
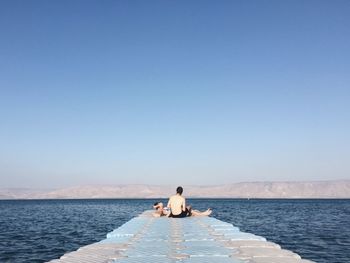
x=314 y=189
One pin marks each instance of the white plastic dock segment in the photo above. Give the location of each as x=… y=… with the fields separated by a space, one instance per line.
x=211 y=260
x=244 y=236
x=250 y=243
x=130 y=228
x=146 y=260
x=188 y=240
x=279 y=260
x=266 y=252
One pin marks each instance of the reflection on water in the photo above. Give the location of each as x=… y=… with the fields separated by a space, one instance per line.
x=37 y=231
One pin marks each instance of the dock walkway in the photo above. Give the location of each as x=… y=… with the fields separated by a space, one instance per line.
x=146 y=239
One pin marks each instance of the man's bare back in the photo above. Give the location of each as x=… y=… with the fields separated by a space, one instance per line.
x=177 y=204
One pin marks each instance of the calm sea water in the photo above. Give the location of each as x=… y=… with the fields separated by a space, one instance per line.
x=37 y=231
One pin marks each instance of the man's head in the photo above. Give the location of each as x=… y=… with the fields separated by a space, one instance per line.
x=179 y=190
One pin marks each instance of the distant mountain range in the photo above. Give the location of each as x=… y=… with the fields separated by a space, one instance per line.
x=312 y=189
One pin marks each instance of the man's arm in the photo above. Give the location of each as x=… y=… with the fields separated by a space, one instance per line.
x=169 y=206
x=184 y=205
x=169 y=203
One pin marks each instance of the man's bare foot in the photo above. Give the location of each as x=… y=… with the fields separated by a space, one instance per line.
x=207 y=212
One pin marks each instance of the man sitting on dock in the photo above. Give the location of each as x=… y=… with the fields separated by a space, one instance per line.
x=178 y=208
x=177 y=205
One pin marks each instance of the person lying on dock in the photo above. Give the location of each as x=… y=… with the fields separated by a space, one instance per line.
x=160 y=210
x=165 y=211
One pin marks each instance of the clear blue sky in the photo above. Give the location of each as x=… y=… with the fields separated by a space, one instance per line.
x=173 y=92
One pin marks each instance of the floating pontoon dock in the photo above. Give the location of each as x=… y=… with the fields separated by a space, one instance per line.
x=188 y=240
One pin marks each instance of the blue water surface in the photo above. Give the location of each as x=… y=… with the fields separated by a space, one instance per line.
x=41 y=230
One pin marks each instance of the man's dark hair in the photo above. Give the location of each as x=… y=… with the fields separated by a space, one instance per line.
x=156 y=203
x=179 y=190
